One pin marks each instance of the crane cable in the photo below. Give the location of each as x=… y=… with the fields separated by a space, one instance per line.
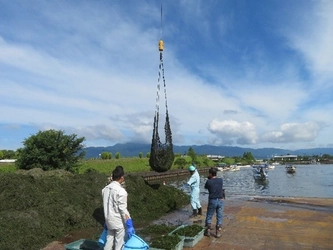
x=161 y=156
x=161 y=69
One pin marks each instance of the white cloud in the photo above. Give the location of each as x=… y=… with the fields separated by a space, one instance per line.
x=232 y=131
x=293 y=132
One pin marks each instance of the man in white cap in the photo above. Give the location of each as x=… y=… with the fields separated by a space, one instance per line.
x=194 y=183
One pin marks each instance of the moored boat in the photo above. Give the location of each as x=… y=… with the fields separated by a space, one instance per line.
x=290 y=169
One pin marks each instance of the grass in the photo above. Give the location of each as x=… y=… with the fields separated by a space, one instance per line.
x=7 y=167
x=131 y=165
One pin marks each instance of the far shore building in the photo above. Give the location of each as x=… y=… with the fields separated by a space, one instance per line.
x=285 y=158
x=215 y=157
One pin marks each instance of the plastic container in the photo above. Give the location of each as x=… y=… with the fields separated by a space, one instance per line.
x=135 y=242
x=83 y=244
x=190 y=241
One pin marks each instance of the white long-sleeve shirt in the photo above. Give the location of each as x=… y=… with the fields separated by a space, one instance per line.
x=115 y=205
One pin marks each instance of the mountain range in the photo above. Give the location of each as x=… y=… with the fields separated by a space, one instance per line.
x=134 y=149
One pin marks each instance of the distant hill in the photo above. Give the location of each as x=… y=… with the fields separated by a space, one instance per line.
x=133 y=150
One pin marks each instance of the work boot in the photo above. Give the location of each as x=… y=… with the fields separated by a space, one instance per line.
x=199 y=211
x=207 y=231
x=218 y=231
x=195 y=213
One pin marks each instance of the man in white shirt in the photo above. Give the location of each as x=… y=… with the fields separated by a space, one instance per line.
x=115 y=211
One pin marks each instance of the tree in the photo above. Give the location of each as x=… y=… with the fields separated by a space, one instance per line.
x=248 y=157
x=106 y=155
x=7 y=154
x=51 y=149
x=180 y=162
x=191 y=153
x=117 y=156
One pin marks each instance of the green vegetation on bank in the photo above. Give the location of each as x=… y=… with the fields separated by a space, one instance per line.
x=131 y=164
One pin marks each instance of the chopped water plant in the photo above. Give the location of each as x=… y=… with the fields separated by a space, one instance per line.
x=166 y=242
x=188 y=231
x=38 y=207
x=156 y=230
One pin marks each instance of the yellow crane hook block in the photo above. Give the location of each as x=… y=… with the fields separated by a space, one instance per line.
x=160 y=45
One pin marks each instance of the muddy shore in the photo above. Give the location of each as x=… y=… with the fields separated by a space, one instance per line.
x=274 y=223
x=262 y=223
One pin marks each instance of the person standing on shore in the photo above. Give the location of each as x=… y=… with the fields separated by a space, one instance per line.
x=214 y=185
x=117 y=217
x=194 y=183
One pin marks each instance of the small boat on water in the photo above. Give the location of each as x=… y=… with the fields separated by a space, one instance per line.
x=234 y=168
x=259 y=172
x=290 y=169
x=270 y=166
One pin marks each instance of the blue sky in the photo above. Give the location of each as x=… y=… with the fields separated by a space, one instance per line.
x=238 y=73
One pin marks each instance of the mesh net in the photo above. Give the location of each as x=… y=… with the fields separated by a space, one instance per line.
x=161 y=154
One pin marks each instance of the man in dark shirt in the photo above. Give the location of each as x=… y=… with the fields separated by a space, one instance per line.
x=215 y=201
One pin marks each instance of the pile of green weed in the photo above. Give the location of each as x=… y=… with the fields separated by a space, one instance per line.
x=167 y=242
x=38 y=207
x=189 y=231
x=154 y=231
x=147 y=204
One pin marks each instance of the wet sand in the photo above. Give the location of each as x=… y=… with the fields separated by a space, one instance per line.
x=268 y=223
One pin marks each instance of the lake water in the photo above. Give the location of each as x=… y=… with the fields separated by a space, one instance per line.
x=308 y=181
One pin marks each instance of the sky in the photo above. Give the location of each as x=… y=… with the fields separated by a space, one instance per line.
x=238 y=73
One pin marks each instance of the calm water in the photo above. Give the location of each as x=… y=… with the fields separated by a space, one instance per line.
x=308 y=181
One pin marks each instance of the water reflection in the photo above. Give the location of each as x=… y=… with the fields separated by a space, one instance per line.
x=261 y=185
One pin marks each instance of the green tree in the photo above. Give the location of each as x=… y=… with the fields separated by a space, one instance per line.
x=205 y=161
x=191 y=153
x=51 y=149
x=8 y=154
x=106 y=155
x=229 y=160
x=117 y=156
x=1 y=155
x=180 y=162
x=248 y=157
x=140 y=155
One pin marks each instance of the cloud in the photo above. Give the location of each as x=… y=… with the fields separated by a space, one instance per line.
x=230 y=131
x=293 y=132
x=314 y=38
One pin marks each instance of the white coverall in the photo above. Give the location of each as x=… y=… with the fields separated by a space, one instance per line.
x=194 y=183
x=115 y=209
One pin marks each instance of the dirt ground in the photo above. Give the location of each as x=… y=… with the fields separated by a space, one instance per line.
x=259 y=223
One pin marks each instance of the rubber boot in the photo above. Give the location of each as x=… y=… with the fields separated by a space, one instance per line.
x=207 y=231
x=195 y=213
x=199 y=211
x=218 y=231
